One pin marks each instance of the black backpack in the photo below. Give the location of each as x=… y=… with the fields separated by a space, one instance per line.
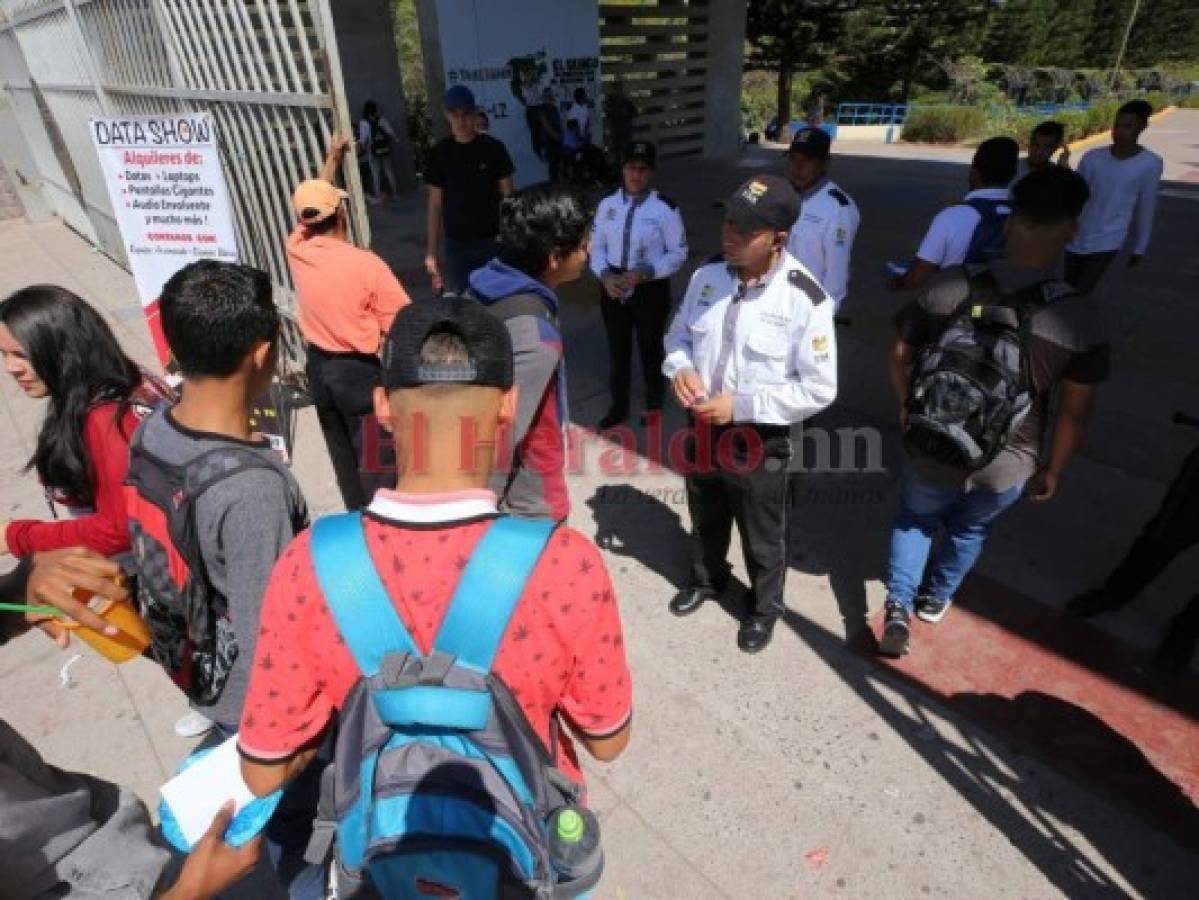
x=380 y=142
x=191 y=635
x=990 y=234
x=971 y=388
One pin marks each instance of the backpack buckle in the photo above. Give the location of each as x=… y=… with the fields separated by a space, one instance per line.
x=401 y=670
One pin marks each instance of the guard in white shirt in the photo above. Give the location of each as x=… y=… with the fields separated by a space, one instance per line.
x=971 y=231
x=751 y=351
x=822 y=238
x=637 y=244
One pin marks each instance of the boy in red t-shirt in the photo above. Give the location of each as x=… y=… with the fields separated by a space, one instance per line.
x=447 y=391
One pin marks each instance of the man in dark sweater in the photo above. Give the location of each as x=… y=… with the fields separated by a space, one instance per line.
x=468 y=174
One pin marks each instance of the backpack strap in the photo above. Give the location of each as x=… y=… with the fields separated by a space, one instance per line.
x=357 y=599
x=522 y=305
x=490 y=588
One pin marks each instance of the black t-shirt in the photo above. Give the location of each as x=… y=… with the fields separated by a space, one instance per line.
x=1069 y=341
x=470 y=176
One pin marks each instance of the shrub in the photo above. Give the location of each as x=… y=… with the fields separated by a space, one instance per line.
x=1190 y=101
x=944 y=124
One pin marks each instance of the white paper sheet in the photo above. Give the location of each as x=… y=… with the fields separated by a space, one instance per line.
x=197 y=794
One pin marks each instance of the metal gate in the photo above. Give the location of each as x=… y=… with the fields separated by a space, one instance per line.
x=267 y=70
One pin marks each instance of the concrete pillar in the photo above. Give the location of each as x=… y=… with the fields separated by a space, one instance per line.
x=430 y=46
x=370 y=66
x=726 y=62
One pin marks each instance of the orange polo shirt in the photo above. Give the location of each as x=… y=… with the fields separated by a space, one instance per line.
x=346 y=297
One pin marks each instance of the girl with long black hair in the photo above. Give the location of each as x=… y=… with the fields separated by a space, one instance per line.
x=58 y=348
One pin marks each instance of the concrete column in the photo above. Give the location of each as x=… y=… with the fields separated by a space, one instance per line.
x=726 y=62
x=370 y=66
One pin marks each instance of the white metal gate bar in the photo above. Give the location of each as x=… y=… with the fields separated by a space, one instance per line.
x=267 y=71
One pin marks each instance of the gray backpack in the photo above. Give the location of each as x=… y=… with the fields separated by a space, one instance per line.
x=439 y=787
x=970 y=388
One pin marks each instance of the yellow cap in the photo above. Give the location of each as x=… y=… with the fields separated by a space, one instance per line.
x=317 y=199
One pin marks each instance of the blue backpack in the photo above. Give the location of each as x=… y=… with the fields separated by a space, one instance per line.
x=439 y=787
x=990 y=234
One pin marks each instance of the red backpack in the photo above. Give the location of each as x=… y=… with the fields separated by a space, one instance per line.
x=191 y=634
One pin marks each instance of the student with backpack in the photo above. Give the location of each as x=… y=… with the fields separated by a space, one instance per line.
x=375 y=141
x=981 y=354
x=971 y=231
x=211 y=504
x=455 y=646
x=544 y=238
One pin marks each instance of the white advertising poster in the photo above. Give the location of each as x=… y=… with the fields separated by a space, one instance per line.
x=508 y=53
x=168 y=193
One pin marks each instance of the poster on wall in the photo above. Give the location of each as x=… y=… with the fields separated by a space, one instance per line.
x=507 y=62
x=169 y=196
x=172 y=206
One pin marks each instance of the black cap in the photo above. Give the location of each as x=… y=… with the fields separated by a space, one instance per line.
x=813 y=142
x=764 y=203
x=642 y=151
x=485 y=336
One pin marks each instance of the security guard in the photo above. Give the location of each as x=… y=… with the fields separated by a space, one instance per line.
x=638 y=243
x=751 y=352
x=822 y=239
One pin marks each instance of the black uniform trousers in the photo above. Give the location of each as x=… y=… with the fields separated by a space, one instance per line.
x=1173 y=529
x=341 y=386
x=740 y=477
x=647 y=313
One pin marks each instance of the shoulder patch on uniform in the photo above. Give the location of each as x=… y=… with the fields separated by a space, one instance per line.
x=807 y=284
x=669 y=201
x=715 y=258
x=838 y=195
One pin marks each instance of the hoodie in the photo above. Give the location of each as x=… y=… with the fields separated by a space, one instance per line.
x=533 y=480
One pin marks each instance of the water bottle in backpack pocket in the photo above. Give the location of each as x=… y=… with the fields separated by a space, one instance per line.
x=440 y=786
x=970 y=389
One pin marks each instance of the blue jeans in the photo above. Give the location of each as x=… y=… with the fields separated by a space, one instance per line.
x=925 y=508
x=463 y=257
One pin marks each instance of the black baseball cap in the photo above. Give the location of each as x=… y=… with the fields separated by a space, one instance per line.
x=813 y=142
x=764 y=203
x=485 y=336
x=642 y=151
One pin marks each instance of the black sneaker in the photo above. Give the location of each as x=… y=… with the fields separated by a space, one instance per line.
x=895 y=640
x=930 y=609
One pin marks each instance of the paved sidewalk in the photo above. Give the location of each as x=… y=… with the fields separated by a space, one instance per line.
x=808 y=771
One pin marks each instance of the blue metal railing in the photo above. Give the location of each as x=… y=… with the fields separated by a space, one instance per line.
x=872 y=113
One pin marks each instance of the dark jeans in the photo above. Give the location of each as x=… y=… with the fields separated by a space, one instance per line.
x=553 y=160
x=646 y=313
x=341 y=386
x=463 y=257
x=742 y=480
x=1083 y=270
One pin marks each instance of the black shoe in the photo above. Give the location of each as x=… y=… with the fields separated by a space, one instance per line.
x=896 y=633
x=614 y=417
x=755 y=633
x=1092 y=603
x=689 y=599
x=930 y=609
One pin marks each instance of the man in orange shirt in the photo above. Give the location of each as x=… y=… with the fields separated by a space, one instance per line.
x=346 y=298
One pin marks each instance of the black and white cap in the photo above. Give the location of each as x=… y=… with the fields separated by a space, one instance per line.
x=487 y=342
x=764 y=203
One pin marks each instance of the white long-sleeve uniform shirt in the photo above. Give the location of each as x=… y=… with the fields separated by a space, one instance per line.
x=770 y=345
x=1123 y=197
x=638 y=232
x=822 y=237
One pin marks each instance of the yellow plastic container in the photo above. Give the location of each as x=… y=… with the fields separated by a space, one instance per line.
x=134 y=636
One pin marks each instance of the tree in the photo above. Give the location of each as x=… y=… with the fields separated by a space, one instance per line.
x=1017 y=31
x=1165 y=31
x=786 y=36
x=1069 y=28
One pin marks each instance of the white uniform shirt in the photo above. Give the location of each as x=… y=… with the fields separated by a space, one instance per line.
x=822 y=238
x=1123 y=199
x=949 y=235
x=771 y=346
x=645 y=232
x=581 y=113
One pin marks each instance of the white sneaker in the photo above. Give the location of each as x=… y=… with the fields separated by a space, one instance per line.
x=193 y=725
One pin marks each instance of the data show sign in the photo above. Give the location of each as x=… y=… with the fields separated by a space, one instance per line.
x=169 y=196
x=509 y=53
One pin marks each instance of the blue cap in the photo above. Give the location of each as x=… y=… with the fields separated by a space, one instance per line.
x=459 y=97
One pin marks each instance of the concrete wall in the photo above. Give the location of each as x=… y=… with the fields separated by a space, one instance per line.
x=726 y=61
x=434 y=64
x=371 y=71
